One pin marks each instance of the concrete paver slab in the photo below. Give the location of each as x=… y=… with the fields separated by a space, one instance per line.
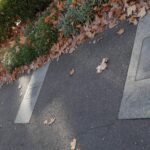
x=136 y=97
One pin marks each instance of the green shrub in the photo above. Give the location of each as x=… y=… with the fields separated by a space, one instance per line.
x=40 y=38
x=12 y=59
x=74 y=16
x=12 y=10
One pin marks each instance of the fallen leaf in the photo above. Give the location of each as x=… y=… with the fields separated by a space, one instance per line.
x=49 y=121
x=142 y=12
x=52 y=120
x=133 y=20
x=45 y=122
x=22 y=40
x=123 y=17
x=121 y=31
x=100 y=68
x=130 y=10
x=112 y=24
x=60 y=5
x=47 y=19
x=90 y=34
x=72 y=72
x=73 y=144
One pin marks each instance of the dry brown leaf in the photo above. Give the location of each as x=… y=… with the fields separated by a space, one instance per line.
x=45 y=122
x=73 y=144
x=100 y=68
x=22 y=40
x=90 y=34
x=121 y=31
x=131 y=10
x=60 y=5
x=47 y=19
x=133 y=20
x=12 y=43
x=123 y=17
x=50 y=121
x=142 y=12
x=117 y=12
x=112 y=24
x=72 y=72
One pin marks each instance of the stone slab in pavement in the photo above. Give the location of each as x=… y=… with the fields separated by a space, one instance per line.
x=136 y=96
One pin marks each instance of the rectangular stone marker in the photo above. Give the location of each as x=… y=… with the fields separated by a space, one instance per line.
x=136 y=97
x=31 y=95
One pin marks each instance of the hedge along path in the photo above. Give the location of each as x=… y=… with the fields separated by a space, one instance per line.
x=107 y=15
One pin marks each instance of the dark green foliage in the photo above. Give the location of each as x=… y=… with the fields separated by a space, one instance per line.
x=79 y=15
x=13 y=59
x=74 y=16
x=40 y=38
x=12 y=10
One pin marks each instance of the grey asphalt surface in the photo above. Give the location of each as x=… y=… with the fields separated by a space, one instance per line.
x=85 y=105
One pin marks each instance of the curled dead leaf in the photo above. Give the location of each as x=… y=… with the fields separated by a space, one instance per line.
x=121 y=31
x=72 y=72
x=112 y=24
x=90 y=34
x=100 y=68
x=73 y=144
x=45 y=122
x=50 y=121
x=123 y=17
x=142 y=12
x=47 y=19
x=133 y=20
x=22 y=40
x=131 y=10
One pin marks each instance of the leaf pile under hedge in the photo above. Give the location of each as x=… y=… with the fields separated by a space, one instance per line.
x=40 y=36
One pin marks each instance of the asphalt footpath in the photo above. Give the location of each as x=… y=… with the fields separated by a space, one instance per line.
x=85 y=105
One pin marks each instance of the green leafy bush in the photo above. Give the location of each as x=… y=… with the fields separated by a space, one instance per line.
x=42 y=36
x=39 y=39
x=73 y=16
x=12 y=10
